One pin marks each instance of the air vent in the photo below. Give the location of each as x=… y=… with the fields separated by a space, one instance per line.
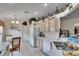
x=26 y=12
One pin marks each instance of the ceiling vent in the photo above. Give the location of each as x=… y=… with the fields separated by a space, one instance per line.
x=26 y=12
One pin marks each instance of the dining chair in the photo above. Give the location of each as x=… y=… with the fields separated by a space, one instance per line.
x=15 y=44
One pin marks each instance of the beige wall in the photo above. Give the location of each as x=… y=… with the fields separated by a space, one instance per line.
x=16 y=33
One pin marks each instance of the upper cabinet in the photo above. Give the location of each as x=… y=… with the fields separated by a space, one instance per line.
x=41 y=26
x=49 y=25
x=46 y=25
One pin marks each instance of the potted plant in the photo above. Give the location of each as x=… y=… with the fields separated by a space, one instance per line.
x=32 y=19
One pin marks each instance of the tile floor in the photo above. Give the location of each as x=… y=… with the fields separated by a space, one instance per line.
x=27 y=50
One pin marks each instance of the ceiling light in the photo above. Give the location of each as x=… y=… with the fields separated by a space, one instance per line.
x=45 y=4
x=12 y=21
x=17 y=22
x=36 y=12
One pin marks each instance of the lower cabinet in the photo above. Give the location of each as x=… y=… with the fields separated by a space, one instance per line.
x=40 y=44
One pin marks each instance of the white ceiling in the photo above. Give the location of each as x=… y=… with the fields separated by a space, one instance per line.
x=8 y=10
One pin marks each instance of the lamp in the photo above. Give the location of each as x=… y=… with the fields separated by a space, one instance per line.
x=15 y=23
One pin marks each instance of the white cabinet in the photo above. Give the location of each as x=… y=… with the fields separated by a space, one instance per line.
x=52 y=25
x=49 y=25
x=46 y=25
x=40 y=44
x=41 y=26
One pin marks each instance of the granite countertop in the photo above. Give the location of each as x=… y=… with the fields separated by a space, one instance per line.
x=53 y=39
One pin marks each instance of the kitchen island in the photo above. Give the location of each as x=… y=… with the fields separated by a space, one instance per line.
x=46 y=44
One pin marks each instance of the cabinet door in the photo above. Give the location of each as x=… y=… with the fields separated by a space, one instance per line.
x=42 y=26
x=40 y=44
x=57 y=24
x=46 y=25
x=52 y=25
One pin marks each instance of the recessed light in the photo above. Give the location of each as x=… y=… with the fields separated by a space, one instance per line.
x=45 y=4
x=26 y=12
x=36 y=12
